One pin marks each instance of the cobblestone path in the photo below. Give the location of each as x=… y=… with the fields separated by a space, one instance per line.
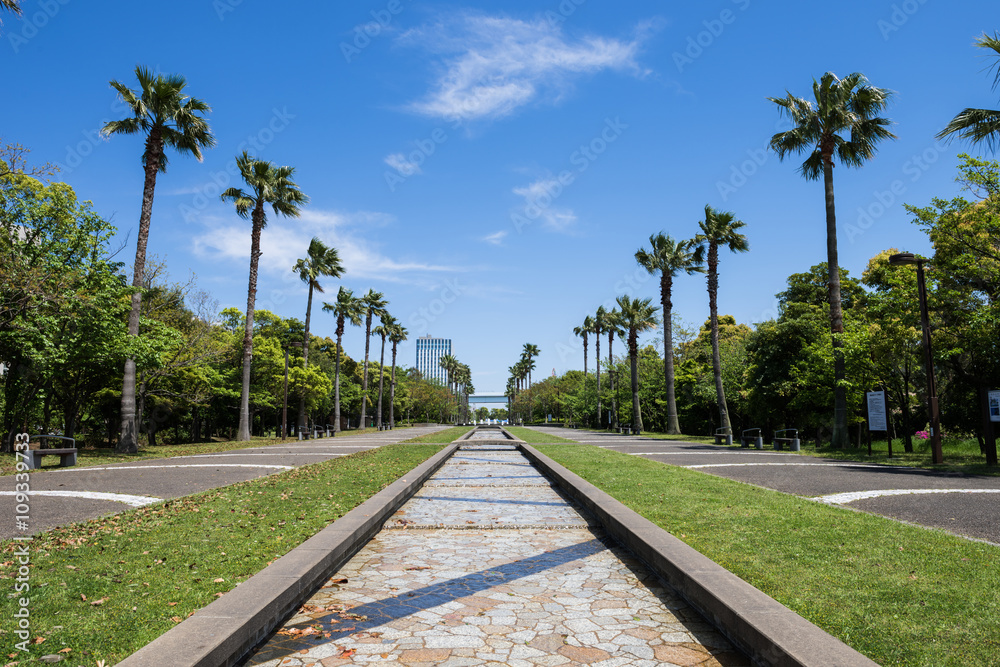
x=489 y=565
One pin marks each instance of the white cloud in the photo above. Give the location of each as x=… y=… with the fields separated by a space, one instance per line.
x=539 y=198
x=285 y=241
x=496 y=239
x=400 y=163
x=493 y=65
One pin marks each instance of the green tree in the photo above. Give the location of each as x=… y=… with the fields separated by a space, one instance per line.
x=979 y=125
x=169 y=119
x=718 y=229
x=268 y=185
x=668 y=257
x=637 y=315
x=320 y=261
x=848 y=106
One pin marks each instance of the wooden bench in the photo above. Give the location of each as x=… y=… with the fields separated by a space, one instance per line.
x=793 y=442
x=723 y=437
x=747 y=436
x=67 y=455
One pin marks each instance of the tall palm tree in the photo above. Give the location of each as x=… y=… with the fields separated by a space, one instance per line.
x=268 y=185
x=599 y=321
x=450 y=365
x=397 y=334
x=979 y=125
x=375 y=304
x=637 y=315
x=583 y=332
x=347 y=308
x=718 y=229
x=612 y=325
x=169 y=119
x=529 y=352
x=668 y=257
x=848 y=106
x=382 y=331
x=320 y=261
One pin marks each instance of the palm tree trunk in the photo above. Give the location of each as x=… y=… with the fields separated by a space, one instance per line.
x=839 y=439
x=392 y=391
x=128 y=441
x=614 y=417
x=364 y=377
x=336 y=380
x=243 y=431
x=713 y=307
x=585 y=360
x=633 y=354
x=305 y=360
x=666 y=291
x=597 y=361
x=381 y=377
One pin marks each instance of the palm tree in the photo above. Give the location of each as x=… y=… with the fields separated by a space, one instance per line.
x=320 y=261
x=269 y=184
x=668 y=257
x=169 y=119
x=382 y=331
x=375 y=304
x=843 y=106
x=612 y=324
x=530 y=352
x=979 y=125
x=11 y=5
x=346 y=309
x=637 y=315
x=450 y=365
x=718 y=229
x=583 y=331
x=600 y=322
x=397 y=334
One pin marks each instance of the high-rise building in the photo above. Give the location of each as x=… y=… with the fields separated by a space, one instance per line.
x=429 y=353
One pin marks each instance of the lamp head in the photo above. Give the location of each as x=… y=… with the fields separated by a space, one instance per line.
x=902 y=258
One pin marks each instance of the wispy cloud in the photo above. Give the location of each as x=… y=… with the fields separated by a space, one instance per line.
x=285 y=241
x=493 y=64
x=538 y=199
x=402 y=164
x=496 y=239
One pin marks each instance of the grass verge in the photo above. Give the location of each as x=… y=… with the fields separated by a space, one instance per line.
x=902 y=595
x=533 y=437
x=100 y=590
x=444 y=437
x=106 y=456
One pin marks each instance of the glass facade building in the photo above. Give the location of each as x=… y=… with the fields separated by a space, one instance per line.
x=429 y=352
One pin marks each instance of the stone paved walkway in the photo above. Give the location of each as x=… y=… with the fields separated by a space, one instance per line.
x=489 y=565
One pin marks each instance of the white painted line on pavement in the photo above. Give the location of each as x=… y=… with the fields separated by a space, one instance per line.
x=212 y=456
x=821 y=463
x=134 y=501
x=844 y=498
x=190 y=465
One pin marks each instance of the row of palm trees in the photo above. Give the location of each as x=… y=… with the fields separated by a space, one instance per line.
x=459 y=380
x=520 y=373
x=169 y=118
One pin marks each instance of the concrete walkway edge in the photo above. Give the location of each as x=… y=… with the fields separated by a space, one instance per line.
x=223 y=632
x=767 y=631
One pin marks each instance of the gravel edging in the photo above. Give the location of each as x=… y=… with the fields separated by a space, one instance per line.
x=223 y=632
x=764 y=629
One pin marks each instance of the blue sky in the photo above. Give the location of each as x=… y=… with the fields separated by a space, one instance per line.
x=492 y=167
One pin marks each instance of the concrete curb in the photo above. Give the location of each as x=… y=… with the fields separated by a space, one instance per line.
x=764 y=629
x=225 y=630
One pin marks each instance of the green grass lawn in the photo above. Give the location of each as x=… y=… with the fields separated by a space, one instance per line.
x=107 y=456
x=532 y=437
x=444 y=437
x=105 y=588
x=900 y=594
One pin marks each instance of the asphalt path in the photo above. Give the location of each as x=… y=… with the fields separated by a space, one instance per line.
x=60 y=496
x=967 y=505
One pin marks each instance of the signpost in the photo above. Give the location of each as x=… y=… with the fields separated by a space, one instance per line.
x=877 y=418
x=991 y=417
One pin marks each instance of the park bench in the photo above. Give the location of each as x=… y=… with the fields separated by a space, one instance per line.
x=749 y=436
x=792 y=441
x=723 y=436
x=625 y=428
x=67 y=455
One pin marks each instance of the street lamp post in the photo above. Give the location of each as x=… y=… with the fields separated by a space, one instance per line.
x=901 y=259
x=284 y=407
